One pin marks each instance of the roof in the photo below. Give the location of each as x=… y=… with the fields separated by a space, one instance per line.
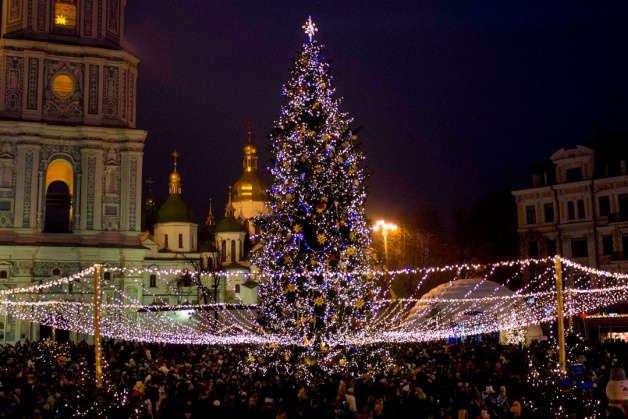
x=249 y=187
x=175 y=210
x=228 y=225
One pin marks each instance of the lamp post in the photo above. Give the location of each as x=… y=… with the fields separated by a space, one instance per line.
x=385 y=227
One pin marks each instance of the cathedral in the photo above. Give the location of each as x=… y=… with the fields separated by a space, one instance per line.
x=71 y=170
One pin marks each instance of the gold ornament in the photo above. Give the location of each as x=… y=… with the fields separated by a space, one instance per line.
x=359 y=304
x=318 y=168
x=319 y=301
x=350 y=251
x=297 y=228
x=291 y=288
x=289 y=197
x=342 y=362
x=286 y=357
x=321 y=238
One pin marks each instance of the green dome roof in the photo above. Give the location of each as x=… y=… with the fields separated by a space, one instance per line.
x=228 y=225
x=175 y=210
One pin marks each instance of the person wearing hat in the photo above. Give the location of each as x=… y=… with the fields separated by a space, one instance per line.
x=617 y=393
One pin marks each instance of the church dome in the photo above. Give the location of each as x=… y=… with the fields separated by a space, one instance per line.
x=229 y=225
x=175 y=210
x=249 y=187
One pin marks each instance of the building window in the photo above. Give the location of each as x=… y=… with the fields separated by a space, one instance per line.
x=65 y=13
x=233 y=251
x=530 y=214
x=533 y=249
x=604 y=203
x=237 y=289
x=180 y=241
x=165 y=241
x=551 y=247
x=607 y=245
x=548 y=210
x=623 y=207
x=579 y=248
x=4 y=274
x=56 y=272
x=580 y=208
x=574 y=174
x=571 y=211
x=107 y=276
x=223 y=251
x=153 y=281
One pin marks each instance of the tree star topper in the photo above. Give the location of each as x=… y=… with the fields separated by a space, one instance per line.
x=310 y=28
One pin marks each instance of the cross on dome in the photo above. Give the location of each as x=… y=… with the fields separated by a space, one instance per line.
x=310 y=28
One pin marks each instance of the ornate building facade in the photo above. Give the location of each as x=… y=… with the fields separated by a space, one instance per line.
x=70 y=155
x=578 y=206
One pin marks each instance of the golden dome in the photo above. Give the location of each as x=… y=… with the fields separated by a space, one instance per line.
x=174 y=186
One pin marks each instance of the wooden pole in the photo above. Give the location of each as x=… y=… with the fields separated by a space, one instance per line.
x=53 y=334
x=97 y=348
x=562 y=358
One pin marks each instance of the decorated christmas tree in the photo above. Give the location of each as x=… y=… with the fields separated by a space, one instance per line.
x=314 y=260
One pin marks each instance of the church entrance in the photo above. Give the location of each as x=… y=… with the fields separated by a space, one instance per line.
x=58 y=208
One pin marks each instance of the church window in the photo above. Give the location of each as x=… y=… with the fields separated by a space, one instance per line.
x=4 y=275
x=5 y=205
x=65 y=13
x=153 y=281
x=223 y=251
x=180 y=241
x=56 y=271
x=107 y=276
x=233 y=251
x=63 y=86
x=165 y=241
x=59 y=186
x=237 y=289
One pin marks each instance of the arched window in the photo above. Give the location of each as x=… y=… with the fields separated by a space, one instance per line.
x=165 y=241
x=180 y=241
x=153 y=281
x=59 y=187
x=233 y=251
x=223 y=251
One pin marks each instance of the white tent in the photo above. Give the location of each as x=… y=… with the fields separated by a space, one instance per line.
x=473 y=306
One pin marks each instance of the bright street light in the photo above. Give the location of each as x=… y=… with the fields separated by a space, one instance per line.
x=385 y=227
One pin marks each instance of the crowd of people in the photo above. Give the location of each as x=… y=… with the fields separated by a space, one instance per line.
x=478 y=379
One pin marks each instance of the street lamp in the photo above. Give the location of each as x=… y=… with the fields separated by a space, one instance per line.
x=385 y=227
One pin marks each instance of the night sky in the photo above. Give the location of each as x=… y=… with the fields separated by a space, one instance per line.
x=455 y=99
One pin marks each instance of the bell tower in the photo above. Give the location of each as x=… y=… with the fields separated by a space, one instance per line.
x=67 y=121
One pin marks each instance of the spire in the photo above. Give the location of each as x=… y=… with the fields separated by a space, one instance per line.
x=250 y=134
x=210 y=221
x=230 y=209
x=174 y=187
x=150 y=201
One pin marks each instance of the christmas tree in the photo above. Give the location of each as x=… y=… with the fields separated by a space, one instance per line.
x=315 y=292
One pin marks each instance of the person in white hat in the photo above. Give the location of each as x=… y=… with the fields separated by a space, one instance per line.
x=617 y=393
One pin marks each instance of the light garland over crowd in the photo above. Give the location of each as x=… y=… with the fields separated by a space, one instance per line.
x=393 y=320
